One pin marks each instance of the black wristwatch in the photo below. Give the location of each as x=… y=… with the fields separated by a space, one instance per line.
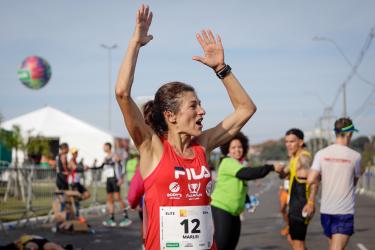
x=224 y=71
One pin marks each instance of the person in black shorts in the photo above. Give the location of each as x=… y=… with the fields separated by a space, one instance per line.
x=112 y=171
x=62 y=167
x=301 y=194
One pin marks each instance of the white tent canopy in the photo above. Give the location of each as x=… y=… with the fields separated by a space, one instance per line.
x=50 y=122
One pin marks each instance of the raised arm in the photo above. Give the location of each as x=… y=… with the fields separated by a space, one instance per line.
x=134 y=121
x=244 y=107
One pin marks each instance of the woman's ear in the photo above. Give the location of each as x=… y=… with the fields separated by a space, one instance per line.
x=170 y=117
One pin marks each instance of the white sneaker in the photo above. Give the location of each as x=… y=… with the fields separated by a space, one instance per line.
x=125 y=222
x=109 y=223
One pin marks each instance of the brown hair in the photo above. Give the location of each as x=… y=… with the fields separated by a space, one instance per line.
x=167 y=98
x=342 y=123
x=64 y=145
x=244 y=142
x=108 y=144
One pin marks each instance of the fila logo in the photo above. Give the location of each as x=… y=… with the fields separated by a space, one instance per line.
x=190 y=173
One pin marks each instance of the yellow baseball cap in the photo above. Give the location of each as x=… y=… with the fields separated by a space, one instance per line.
x=73 y=150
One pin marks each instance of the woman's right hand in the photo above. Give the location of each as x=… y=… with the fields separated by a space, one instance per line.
x=143 y=23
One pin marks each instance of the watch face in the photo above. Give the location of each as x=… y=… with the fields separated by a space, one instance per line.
x=224 y=72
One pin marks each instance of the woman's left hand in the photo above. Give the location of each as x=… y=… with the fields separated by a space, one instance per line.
x=213 y=50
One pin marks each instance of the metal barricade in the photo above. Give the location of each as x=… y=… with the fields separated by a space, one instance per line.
x=29 y=191
x=13 y=193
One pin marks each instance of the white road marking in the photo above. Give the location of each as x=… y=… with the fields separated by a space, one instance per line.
x=361 y=246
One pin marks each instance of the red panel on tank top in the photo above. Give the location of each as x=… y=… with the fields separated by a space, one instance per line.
x=176 y=181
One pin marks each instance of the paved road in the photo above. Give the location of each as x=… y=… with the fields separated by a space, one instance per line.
x=260 y=230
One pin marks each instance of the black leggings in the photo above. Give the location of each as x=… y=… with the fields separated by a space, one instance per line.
x=227 y=229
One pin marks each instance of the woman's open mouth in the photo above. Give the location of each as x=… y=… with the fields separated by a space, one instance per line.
x=199 y=122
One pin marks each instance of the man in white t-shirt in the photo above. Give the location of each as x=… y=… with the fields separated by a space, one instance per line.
x=339 y=169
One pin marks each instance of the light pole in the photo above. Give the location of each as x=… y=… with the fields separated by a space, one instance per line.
x=109 y=49
x=327 y=39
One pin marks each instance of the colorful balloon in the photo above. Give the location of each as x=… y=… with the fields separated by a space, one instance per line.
x=34 y=72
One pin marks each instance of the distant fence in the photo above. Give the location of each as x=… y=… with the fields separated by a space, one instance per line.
x=29 y=191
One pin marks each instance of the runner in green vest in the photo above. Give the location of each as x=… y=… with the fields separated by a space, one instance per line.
x=228 y=197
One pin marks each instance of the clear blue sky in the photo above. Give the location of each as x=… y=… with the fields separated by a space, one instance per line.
x=268 y=44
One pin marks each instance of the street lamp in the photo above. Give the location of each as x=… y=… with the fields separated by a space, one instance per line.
x=327 y=39
x=109 y=49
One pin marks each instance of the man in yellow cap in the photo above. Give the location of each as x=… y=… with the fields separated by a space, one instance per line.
x=74 y=177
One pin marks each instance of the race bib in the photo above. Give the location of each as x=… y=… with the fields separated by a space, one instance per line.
x=108 y=172
x=189 y=227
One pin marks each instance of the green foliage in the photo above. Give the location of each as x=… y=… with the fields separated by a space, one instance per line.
x=12 y=139
x=38 y=146
x=34 y=147
x=274 y=150
x=359 y=143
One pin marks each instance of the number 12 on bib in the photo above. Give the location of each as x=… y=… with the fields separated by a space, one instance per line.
x=189 y=227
